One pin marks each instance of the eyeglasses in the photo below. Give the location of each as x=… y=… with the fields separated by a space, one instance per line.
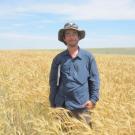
x=70 y=25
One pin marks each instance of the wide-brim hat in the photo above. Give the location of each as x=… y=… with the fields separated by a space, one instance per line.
x=68 y=26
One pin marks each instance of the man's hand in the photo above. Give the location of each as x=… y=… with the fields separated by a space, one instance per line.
x=89 y=105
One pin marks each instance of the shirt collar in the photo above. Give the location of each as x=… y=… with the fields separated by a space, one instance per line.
x=79 y=53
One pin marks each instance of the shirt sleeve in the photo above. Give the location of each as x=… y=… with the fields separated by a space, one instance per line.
x=94 y=82
x=53 y=81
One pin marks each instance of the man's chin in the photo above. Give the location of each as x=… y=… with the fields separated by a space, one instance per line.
x=72 y=45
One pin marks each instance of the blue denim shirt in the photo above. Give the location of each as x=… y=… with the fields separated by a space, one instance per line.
x=78 y=82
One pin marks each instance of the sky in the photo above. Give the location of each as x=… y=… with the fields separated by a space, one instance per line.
x=34 y=24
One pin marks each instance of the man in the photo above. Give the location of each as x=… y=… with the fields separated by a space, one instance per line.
x=74 y=78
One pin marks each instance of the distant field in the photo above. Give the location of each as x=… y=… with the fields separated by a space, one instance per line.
x=124 y=51
x=118 y=51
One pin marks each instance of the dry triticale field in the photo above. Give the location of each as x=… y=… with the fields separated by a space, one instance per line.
x=24 y=90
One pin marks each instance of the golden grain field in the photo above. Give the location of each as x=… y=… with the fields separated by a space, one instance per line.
x=24 y=90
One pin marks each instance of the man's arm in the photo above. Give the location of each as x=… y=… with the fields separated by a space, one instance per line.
x=53 y=81
x=94 y=82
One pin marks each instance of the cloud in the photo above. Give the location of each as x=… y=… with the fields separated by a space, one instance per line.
x=16 y=36
x=92 y=9
x=10 y=40
x=20 y=41
x=109 y=41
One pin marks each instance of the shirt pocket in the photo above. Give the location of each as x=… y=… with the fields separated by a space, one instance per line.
x=82 y=74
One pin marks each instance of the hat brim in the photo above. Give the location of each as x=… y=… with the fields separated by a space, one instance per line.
x=61 y=34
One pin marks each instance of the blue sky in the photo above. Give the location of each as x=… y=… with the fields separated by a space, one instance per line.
x=34 y=24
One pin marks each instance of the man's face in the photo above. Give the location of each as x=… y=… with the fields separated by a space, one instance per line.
x=71 y=38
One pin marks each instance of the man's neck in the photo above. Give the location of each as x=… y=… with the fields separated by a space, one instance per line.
x=73 y=51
